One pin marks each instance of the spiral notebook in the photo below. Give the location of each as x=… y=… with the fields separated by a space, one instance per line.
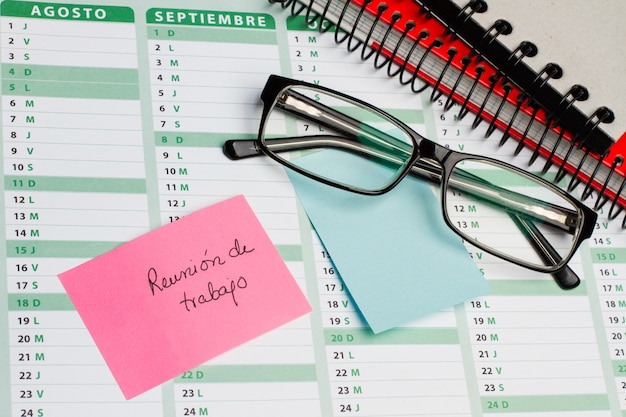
x=437 y=47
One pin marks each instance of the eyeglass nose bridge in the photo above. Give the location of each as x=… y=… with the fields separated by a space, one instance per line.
x=431 y=150
x=432 y=156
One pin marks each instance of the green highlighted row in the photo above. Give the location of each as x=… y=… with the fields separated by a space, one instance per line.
x=545 y=286
x=545 y=403
x=290 y=253
x=86 y=249
x=196 y=140
x=76 y=184
x=57 y=248
x=70 y=74
x=195 y=33
x=71 y=89
x=608 y=255
x=398 y=336
x=249 y=373
x=40 y=302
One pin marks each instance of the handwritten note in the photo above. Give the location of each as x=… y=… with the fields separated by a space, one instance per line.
x=184 y=293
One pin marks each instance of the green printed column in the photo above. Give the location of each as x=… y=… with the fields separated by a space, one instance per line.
x=414 y=370
x=74 y=187
x=533 y=349
x=608 y=259
x=207 y=70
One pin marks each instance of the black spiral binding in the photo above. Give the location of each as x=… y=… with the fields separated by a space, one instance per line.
x=536 y=91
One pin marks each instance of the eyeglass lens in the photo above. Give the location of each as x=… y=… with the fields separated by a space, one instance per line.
x=502 y=208
x=375 y=148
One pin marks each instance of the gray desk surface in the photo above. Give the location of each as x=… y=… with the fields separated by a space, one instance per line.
x=587 y=38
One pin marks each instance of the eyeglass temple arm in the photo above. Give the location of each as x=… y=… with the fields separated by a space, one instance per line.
x=565 y=277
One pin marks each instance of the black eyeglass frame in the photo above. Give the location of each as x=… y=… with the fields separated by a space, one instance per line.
x=423 y=149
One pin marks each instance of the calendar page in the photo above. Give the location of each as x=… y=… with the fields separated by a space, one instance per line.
x=113 y=118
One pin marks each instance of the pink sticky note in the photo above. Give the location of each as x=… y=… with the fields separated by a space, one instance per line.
x=184 y=293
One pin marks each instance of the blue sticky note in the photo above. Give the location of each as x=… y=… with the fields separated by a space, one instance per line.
x=394 y=252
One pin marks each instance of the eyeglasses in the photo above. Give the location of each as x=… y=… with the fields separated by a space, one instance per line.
x=493 y=205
